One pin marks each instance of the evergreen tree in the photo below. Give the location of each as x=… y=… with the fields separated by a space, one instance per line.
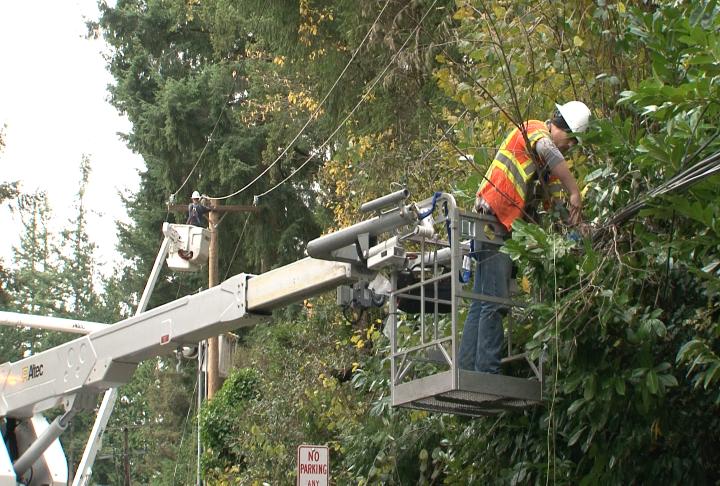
x=78 y=263
x=8 y=191
x=36 y=287
x=11 y=340
x=46 y=280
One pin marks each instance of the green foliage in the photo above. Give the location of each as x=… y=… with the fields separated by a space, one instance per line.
x=36 y=279
x=8 y=191
x=273 y=411
x=194 y=82
x=629 y=323
x=157 y=407
x=613 y=316
x=219 y=417
x=78 y=263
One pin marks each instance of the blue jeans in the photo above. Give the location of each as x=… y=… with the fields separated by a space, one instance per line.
x=482 y=338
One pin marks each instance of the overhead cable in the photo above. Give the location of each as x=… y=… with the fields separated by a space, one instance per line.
x=682 y=180
x=352 y=112
x=705 y=168
x=237 y=246
x=314 y=113
x=210 y=138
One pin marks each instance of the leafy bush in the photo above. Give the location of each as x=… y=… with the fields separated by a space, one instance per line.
x=219 y=418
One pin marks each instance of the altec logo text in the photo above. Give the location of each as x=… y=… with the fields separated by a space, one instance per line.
x=31 y=372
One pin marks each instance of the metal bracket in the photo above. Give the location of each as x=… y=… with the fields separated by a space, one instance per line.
x=79 y=402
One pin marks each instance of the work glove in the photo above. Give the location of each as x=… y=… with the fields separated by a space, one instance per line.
x=479 y=207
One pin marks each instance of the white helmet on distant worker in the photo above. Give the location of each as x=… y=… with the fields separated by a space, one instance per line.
x=576 y=115
x=195 y=195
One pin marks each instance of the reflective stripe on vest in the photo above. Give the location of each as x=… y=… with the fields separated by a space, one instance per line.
x=556 y=189
x=505 y=186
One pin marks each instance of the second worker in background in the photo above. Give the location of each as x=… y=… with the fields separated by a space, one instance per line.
x=197 y=211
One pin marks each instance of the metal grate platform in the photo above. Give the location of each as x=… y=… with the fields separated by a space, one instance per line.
x=477 y=394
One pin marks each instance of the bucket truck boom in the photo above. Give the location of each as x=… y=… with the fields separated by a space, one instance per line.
x=74 y=373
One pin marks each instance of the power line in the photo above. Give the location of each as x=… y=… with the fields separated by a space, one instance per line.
x=682 y=180
x=314 y=113
x=236 y=247
x=207 y=143
x=362 y=99
x=182 y=437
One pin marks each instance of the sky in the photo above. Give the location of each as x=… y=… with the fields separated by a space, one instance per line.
x=53 y=101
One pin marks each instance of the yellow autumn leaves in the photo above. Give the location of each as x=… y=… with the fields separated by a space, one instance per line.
x=303 y=99
x=310 y=21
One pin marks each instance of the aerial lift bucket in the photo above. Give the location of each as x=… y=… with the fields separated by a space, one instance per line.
x=189 y=247
x=425 y=323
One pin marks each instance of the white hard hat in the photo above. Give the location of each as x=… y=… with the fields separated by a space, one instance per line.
x=576 y=115
x=195 y=195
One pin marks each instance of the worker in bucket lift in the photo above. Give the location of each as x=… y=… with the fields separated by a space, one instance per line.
x=523 y=161
x=197 y=211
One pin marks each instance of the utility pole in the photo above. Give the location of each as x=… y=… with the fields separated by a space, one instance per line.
x=71 y=454
x=213 y=348
x=200 y=398
x=213 y=373
x=126 y=458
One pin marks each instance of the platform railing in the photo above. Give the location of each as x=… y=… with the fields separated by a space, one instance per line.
x=425 y=370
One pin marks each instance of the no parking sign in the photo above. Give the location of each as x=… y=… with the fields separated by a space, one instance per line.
x=313 y=465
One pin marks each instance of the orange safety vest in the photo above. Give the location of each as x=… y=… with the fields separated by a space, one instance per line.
x=506 y=187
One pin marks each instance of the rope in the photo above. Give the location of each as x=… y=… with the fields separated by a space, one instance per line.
x=314 y=113
x=551 y=435
x=220 y=220
x=444 y=135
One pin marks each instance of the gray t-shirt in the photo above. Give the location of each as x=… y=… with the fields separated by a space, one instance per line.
x=547 y=151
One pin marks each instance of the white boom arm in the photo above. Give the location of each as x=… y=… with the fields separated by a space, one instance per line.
x=107 y=358
x=84 y=469
x=73 y=373
x=49 y=323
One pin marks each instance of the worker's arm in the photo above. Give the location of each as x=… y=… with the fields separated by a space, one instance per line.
x=562 y=172
x=558 y=166
x=203 y=202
